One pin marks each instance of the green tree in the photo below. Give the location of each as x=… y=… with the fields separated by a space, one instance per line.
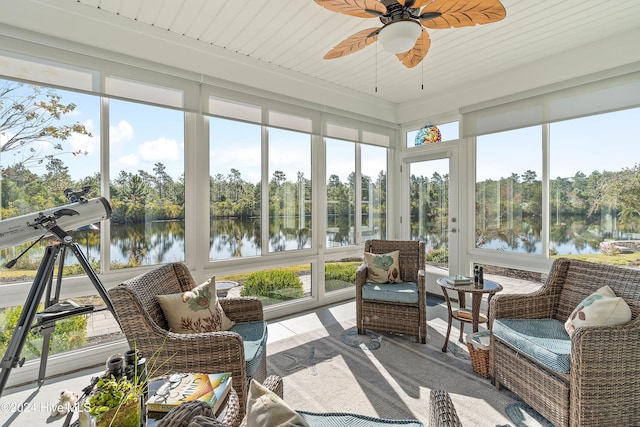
x=620 y=191
x=30 y=116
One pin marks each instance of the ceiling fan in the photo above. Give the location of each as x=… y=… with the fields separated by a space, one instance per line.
x=405 y=21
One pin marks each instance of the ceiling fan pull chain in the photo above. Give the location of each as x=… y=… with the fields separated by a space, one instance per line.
x=376 y=65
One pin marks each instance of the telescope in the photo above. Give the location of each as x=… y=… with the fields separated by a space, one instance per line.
x=55 y=223
x=21 y=229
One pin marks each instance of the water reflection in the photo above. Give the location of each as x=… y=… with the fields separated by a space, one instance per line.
x=162 y=242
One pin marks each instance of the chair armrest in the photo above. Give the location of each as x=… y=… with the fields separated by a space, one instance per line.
x=604 y=361
x=243 y=309
x=195 y=353
x=442 y=411
x=611 y=348
x=202 y=421
x=361 y=275
x=536 y=305
x=275 y=384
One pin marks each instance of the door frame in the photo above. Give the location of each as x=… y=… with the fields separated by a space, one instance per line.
x=436 y=153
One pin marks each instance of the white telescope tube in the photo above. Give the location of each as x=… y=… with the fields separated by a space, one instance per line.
x=14 y=231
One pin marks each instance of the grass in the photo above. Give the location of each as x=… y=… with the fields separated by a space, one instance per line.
x=625 y=260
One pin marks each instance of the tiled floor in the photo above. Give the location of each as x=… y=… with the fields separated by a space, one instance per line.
x=29 y=405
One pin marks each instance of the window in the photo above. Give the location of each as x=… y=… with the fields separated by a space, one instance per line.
x=146 y=158
x=35 y=171
x=235 y=189
x=341 y=192
x=289 y=190
x=448 y=132
x=594 y=186
x=592 y=191
x=509 y=191
x=373 y=165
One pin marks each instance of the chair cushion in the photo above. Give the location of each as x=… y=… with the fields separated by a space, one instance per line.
x=341 y=419
x=545 y=340
x=601 y=308
x=406 y=292
x=383 y=268
x=267 y=409
x=195 y=311
x=254 y=340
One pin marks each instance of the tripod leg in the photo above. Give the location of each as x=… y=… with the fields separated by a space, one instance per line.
x=49 y=328
x=93 y=277
x=19 y=337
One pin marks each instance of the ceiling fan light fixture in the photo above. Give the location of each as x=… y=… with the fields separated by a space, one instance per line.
x=399 y=36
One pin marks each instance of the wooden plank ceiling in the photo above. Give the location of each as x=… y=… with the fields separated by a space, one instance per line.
x=294 y=35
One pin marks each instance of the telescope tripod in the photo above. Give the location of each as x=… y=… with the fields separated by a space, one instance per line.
x=46 y=320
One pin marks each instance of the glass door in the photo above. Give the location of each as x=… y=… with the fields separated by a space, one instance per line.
x=429 y=212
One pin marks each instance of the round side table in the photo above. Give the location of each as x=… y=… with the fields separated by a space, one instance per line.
x=462 y=314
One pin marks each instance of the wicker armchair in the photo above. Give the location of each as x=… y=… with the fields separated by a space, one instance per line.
x=442 y=413
x=145 y=326
x=385 y=307
x=601 y=387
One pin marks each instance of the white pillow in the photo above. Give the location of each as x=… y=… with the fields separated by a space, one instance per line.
x=267 y=409
x=601 y=308
x=195 y=311
x=383 y=268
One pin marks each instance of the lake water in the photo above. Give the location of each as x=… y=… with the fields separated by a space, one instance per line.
x=163 y=242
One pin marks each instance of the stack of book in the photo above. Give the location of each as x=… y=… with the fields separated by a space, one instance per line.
x=180 y=388
x=458 y=280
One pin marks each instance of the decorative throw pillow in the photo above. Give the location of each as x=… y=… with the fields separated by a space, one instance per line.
x=267 y=409
x=195 y=311
x=601 y=308
x=383 y=268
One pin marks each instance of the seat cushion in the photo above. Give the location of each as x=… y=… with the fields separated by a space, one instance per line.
x=392 y=292
x=544 y=340
x=254 y=339
x=341 y=419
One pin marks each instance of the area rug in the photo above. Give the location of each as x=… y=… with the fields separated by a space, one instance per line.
x=333 y=369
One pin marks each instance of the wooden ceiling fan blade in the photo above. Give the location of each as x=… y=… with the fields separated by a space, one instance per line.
x=414 y=3
x=358 y=8
x=416 y=54
x=461 y=13
x=353 y=43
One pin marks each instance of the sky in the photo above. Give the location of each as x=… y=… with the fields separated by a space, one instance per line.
x=142 y=135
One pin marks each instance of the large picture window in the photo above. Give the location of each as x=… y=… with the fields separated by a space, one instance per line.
x=234 y=189
x=290 y=206
x=146 y=149
x=594 y=187
x=509 y=192
x=341 y=192
x=373 y=166
x=592 y=191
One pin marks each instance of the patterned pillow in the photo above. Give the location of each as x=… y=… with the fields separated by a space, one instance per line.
x=601 y=308
x=195 y=311
x=267 y=409
x=383 y=268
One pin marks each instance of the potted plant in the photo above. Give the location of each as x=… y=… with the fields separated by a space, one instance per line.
x=118 y=397
x=115 y=402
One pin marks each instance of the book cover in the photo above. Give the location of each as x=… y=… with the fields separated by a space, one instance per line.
x=458 y=280
x=179 y=388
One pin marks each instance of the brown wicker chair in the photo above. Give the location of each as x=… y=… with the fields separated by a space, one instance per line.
x=145 y=327
x=386 y=314
x=442 y=413
x=602 y=386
